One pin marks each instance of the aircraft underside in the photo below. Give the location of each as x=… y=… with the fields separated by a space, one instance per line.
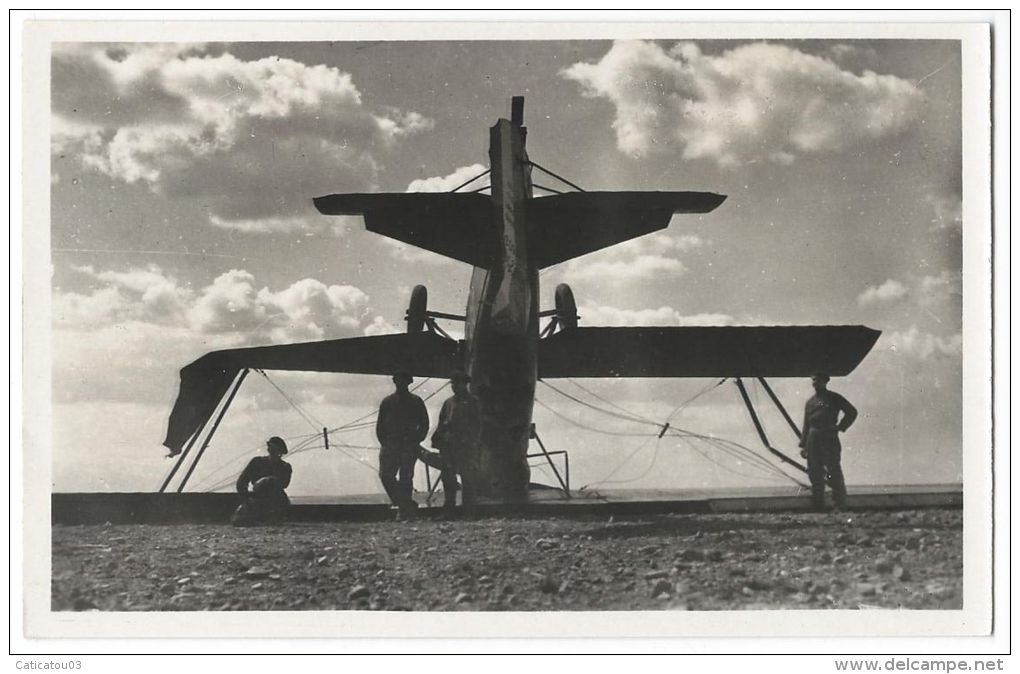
x=509 y=236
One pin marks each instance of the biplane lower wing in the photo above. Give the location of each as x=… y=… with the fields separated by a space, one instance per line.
x=205 y=381
x=780 y=351
x=454 y=224
x=565 y=226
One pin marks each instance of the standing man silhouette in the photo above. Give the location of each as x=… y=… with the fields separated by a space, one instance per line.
x=820 y=440
x=456 y=438
x=402 y=424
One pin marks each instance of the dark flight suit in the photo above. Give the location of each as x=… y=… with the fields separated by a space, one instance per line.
x=456 y=437
x=820 y=438
x=267 y=501
x=402 y=424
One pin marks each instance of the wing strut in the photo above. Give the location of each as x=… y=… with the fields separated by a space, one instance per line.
x=208 y=438
x=779 y=406
x=761 y=430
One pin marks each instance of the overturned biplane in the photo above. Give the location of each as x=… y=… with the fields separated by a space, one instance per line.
x=508 y=237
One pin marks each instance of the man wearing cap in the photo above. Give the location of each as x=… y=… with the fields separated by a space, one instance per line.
x=820 y=440
x=268 y=476
x=456 y=438
x=402 y=424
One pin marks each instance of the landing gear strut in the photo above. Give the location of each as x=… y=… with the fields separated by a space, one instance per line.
x=564 y=316
x=419 y=317
x=417 y=309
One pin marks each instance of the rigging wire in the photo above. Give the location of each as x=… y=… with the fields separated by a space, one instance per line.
x=626 y=417
x=560 y=178
x=586 y=427
x=608 y=402
x=304 y=438
x=729 y=446
x=311 y=420
x=375 y=412
x=483 y=173
x=357 y=424
x=737 y=451
x=731 y=469
x=683 y=404
x=343 y=446
x=205 y=478
x=222 y=482
x=743 y=455
x=620 y=465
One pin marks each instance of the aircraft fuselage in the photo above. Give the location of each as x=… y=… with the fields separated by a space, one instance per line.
x=502 y=324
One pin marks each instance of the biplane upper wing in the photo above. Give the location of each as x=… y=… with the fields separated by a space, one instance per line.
x=767 y=351
x=454 y=224
x=565 y=226
x=205 y=381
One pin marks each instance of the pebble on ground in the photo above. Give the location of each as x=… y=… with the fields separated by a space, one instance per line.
x=892 y=560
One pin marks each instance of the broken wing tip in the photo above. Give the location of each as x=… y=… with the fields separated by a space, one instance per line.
x=326 y=204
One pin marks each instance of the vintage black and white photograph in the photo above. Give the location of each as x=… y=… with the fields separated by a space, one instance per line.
x=669 y=323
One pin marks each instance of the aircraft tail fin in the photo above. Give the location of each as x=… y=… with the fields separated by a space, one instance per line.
x=457 y=225
x=565 y=226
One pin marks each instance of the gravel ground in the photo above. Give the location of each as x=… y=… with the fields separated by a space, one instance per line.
x=907 y=559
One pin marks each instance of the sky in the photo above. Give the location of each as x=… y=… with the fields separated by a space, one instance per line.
x=182 y=222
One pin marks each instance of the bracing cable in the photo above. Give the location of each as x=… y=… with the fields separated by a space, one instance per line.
x=586 y=427
x=358 y=424
x=626 y=417
x=306 y=437
x=620 y=465
x=311 y=420
x=608 y=402
x=743 y=455
x=736 y=451
x=223 y=482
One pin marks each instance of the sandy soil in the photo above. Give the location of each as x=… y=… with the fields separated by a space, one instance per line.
x=909 y=559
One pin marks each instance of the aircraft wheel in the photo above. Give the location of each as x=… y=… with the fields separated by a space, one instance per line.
x=417 y=308
x=566 y=307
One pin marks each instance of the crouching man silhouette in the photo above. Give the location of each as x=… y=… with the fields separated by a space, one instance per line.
x=269 y=477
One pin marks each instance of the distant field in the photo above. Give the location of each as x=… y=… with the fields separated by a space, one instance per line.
x=908 y=559
x=672 y=494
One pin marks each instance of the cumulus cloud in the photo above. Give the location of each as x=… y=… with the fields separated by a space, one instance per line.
x=307 y=310
x=593 y=314
x=68 y=136
x=641 y=267
x=757 y=102
x=648 y=257
x=888 y=293
x=303 y=224
x=459 y=176
x=449 y=182
x=233 y=306
x=659 y=243
x=402 y=123
x=926 y=291
x=255 y=140
x=412 y=254
x=849 y=53
x=148 y=295
x=915 y=343
x=380 y=326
